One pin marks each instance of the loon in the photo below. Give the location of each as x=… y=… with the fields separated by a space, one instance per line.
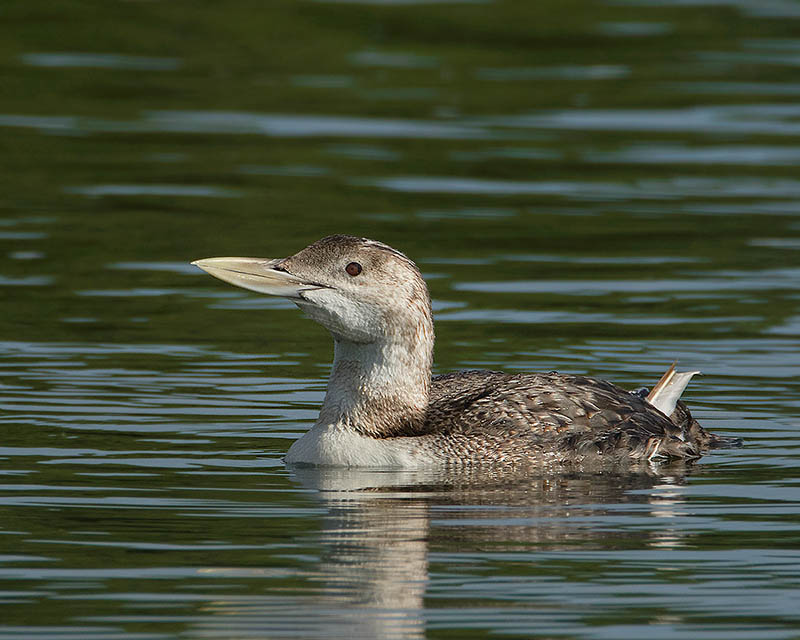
x=382 y=408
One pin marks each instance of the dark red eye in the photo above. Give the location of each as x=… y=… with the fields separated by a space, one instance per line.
x=353 y=268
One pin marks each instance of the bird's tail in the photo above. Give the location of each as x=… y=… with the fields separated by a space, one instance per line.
x=665 y=395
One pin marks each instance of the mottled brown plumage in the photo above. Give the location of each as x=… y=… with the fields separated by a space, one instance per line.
x=491 y=415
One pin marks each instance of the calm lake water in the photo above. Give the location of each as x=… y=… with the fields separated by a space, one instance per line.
x=597 y=187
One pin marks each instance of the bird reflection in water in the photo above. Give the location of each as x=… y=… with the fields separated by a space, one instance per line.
x=382 y=530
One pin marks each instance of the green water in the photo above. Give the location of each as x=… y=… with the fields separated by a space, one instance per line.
x=592 y=187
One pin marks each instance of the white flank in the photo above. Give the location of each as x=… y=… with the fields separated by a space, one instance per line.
x=668 y=390
x=340 y=446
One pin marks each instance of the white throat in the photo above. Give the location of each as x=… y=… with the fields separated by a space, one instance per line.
x=377 y=388
x=377 y=393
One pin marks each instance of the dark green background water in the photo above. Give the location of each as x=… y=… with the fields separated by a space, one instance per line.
x=594 y=187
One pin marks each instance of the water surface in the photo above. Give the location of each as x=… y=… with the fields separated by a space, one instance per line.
x=599 y=188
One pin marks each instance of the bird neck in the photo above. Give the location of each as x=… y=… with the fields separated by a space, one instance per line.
x=380 y=389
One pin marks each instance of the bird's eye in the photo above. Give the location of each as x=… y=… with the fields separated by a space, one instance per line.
x=353 y=268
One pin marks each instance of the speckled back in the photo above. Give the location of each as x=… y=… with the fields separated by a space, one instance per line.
x=518 y=415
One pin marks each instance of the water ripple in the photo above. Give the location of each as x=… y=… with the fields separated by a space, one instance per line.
x=718 y=281
x=278 y=125
x=153 y=190
x=764 y=119
x=642 y=189
x=101 y=61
